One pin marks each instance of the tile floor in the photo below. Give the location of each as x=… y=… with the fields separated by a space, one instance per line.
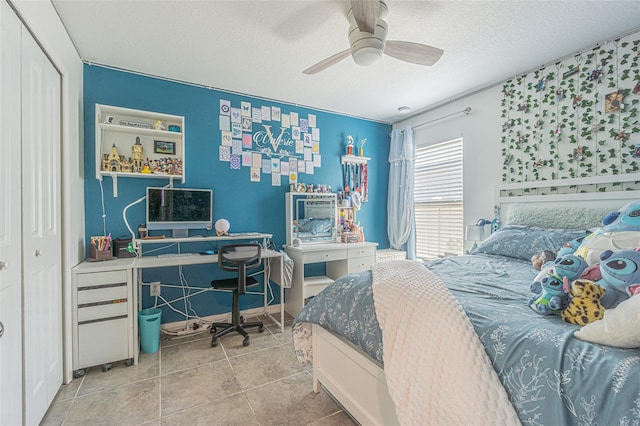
x=187 y=382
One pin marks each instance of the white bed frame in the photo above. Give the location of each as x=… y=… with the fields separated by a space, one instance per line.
x=358 y=383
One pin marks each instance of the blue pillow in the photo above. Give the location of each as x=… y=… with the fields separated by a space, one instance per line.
x=522 y=242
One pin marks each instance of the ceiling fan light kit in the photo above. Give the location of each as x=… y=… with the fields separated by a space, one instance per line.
x=368 y=40
x=366 y=47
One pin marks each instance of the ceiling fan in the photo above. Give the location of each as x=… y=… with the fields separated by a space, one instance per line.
x=368 y=40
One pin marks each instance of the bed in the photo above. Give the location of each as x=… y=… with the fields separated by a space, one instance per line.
x=467 y=347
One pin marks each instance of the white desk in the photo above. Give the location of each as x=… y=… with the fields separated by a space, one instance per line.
x=340 y=259
x=133 y=268
x=272 y=268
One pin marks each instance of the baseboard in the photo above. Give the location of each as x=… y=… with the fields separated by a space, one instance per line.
x=226 y=317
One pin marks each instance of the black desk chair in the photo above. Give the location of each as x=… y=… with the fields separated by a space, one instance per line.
x=237 y=258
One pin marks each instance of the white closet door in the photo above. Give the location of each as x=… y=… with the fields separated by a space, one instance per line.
x=10 y=218
x=41 y=234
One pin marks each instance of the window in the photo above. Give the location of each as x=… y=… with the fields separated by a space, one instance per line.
x=438 y=200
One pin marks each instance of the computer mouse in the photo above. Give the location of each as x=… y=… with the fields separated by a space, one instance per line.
x=208 y=252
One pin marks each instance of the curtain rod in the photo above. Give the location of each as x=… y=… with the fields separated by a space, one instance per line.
x=466 y=111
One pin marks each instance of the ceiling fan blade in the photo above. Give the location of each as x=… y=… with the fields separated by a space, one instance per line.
x=415 y=53
x=365 y=12
x=326 y=63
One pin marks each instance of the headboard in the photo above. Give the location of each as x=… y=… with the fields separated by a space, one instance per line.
x=566 y=203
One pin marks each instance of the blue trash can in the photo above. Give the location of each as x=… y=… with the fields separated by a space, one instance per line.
x=149 y=322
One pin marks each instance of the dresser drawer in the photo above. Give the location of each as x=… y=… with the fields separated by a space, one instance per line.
x=103 y=341
x=325 y=256
x=103 y=294
x=107 y=310
x=100 y=278
x=361 y=252
x=360 y=264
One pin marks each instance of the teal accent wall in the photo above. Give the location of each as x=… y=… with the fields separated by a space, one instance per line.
x=249 y=206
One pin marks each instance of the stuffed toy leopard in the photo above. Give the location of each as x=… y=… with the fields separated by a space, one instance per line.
x=585 y=306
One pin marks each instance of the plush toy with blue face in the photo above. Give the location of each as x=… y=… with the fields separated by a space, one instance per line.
x=627 y=218
x=569 y=265
x=571 y=246
x=553 y=297
x=620 y=277
x=551 y=291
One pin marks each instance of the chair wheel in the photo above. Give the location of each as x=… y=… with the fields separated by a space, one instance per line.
x=246 y=341
x=106 y=367
x=78 y=373
x=213 y=330
x=241 y=319
x=261 y=329
x=128 y=362
x=214 y=343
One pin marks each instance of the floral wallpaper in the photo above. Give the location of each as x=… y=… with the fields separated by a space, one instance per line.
x=575 y=118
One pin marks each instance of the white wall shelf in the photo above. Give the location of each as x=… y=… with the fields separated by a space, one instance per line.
x=124 y=128
x=354 y=159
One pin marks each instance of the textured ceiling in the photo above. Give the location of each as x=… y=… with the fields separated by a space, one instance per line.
x=260 y=48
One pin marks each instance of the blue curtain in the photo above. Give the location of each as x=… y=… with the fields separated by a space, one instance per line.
x=400 y=209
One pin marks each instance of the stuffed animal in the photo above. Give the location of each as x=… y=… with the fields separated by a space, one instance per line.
x=539 y=260
x=584 y=306
x=627 y=218
x=620 y=231
x=569 y=265
x=553 y=297
x=619 y=275
x=571 y=246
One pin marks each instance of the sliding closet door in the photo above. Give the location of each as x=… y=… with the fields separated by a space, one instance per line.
x=41 y=233
x=10 y=218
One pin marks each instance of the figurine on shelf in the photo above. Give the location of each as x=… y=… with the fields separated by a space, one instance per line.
x=362 y=142
x=349 y=145
x=159 y=125
x=137 y=152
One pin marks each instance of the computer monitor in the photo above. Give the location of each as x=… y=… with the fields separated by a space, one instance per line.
x=179 y=210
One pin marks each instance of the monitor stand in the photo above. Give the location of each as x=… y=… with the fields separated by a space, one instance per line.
x=180 y=233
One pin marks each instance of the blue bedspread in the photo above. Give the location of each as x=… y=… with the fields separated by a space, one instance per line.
x=551 y=377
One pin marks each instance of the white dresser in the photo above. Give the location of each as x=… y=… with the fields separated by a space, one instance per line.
x=340 y=259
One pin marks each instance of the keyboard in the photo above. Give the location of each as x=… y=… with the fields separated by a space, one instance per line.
x=175 y=254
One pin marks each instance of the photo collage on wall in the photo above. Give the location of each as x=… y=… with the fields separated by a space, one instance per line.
x=268 y=141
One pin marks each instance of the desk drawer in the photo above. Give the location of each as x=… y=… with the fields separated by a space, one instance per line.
x=361 y=252
x=104 y=294
x=100 y=278
x=325 y=256
x=103 y=342
x=108 y=310
x=360 y=264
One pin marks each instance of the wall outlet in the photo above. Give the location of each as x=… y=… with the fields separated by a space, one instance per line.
x=155 y=288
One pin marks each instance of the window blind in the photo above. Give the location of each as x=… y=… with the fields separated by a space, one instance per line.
x=438 y=200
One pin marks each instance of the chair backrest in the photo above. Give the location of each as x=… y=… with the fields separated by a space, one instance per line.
x=240 y=258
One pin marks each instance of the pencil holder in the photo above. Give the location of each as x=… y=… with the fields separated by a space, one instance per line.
x=95 y=254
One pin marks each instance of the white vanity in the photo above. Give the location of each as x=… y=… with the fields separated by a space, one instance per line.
x=316 y=243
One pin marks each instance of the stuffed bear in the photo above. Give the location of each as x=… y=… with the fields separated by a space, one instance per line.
x=539 y=260
x=618 y=274
x=584 y=305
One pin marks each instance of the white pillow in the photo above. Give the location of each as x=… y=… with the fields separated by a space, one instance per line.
x=620 y=327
